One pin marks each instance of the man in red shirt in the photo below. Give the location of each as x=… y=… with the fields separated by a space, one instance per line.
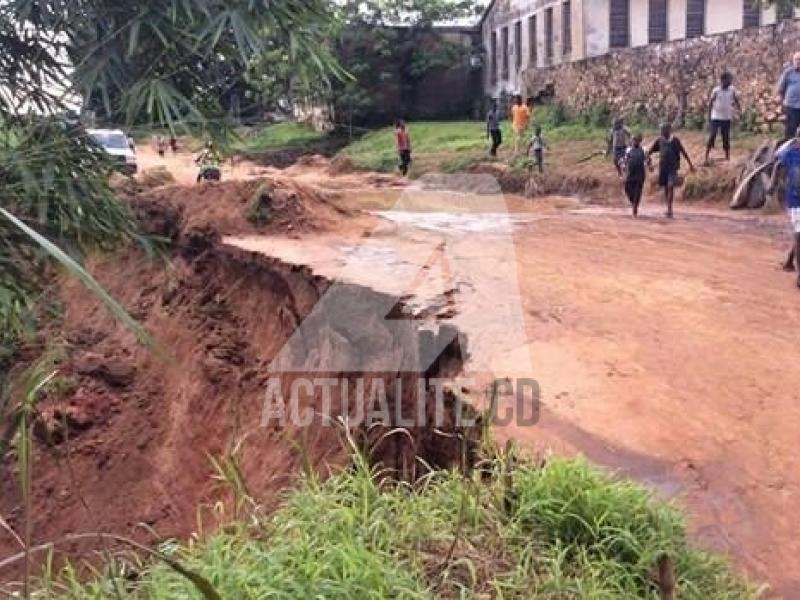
x=403 y=141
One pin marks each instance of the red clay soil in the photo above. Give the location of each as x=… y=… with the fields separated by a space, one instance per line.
x=130 y=441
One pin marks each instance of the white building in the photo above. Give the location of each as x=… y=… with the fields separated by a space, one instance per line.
x=523 y=34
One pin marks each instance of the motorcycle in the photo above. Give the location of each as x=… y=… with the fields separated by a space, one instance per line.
x=209 y=172
x=209 y=167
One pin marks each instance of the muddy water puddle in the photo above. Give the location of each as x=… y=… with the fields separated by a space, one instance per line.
x=450 y=223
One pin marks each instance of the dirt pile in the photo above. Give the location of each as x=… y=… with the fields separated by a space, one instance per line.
x=127 y=436
x=226 y=206
x=521 y=181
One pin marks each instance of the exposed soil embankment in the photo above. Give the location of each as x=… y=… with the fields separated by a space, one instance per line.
x=282 y=158
x=128 y=437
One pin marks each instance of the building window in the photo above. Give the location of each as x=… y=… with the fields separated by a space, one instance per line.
x=518 y=44
x=566 y=27
x=504 y=44
x=695 y=18
x=533 y=42
x=620 y=34
x=785 y=10
x=548 y=34
x=493 y=52
x=657 y=27
x=752 y=13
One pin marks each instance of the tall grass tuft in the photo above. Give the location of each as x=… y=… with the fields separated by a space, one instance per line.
x=513 y=530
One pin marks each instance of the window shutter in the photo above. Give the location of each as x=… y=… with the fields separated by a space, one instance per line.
x=493 y=51
x=620 y=24
x=695 y=18
x=504 y=42
x=548 y=33
x=786 y=10
x=657 y=27
x=533 y=41
x=566 y=26
x=752 y=13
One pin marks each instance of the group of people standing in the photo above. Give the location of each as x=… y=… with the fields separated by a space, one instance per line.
x=161 y=143
x=520 y=122
x=632 y=160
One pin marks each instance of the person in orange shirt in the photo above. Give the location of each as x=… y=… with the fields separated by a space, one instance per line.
x=520 y=117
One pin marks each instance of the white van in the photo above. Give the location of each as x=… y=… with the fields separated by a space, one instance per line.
x=117 y=145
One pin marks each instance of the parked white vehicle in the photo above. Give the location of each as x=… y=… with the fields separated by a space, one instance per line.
x=117 y=145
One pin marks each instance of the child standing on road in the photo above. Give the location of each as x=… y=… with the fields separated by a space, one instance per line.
x=670 y=150
x=403 y=142
x=635 y=173
x=618 y=139
x=721 y=108
x=536 y=149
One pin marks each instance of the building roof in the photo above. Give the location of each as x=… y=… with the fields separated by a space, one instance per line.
x=486 y=12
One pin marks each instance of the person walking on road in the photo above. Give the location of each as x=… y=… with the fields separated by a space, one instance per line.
x=635 y=163
x=493 y=131
x=721 y=107
x=618 y=140
x=670 y=150
x=520 y=117
x=788 y=156
x=789 y=96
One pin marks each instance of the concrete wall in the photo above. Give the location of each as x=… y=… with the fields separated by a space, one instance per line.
x=640 y=23
x=506 y=13
x=596 y=17
x=590 y=31
x=672 y=80
x=676 y=19
x=722 y=15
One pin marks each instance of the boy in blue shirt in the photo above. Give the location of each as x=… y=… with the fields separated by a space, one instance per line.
x=788 y=156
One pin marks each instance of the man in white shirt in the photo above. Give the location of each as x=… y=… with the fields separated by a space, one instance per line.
x=721 y=110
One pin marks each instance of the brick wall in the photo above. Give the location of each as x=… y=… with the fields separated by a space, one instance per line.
x=673 y=80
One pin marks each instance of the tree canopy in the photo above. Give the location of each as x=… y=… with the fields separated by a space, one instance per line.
x=165 y=62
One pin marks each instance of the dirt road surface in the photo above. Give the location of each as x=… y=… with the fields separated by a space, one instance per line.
x=664 y=349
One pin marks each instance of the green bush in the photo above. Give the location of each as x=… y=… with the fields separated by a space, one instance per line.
x=287 y=135
x=749 y=120
x=599 y=115
x=696 y=120
x=566 y=530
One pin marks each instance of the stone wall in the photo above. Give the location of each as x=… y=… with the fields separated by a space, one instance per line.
x=673 y=80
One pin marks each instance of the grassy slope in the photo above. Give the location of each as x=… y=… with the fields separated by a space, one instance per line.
x=457 y=146
x=454 y=145
x=278 y=136
x=562 y=531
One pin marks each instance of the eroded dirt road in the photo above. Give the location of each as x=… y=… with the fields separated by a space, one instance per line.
x=666 y=350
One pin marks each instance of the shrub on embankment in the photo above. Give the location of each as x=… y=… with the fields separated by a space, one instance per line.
x=562 y=530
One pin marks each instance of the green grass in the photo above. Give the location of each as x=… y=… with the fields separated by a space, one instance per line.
x=288 y=135
x=566 y=530
x=451 y=146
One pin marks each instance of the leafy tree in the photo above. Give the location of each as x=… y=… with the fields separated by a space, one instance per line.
x=387 y=48
x=166 y=62
x=785 y=8
x=390 y=47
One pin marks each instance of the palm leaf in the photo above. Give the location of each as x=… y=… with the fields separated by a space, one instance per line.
x=77 y=271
